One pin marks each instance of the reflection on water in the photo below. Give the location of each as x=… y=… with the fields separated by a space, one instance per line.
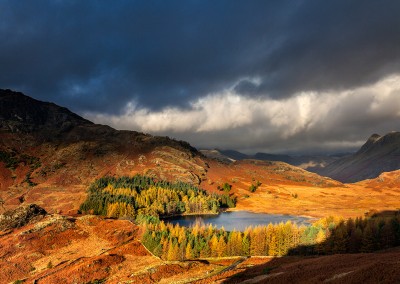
x=238 y=220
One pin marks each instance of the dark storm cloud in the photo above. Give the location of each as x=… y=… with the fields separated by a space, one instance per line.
x=98 y=55
x=336 y=45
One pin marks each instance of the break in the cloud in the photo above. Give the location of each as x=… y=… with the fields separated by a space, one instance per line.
x=219 y=68
x=307 y=121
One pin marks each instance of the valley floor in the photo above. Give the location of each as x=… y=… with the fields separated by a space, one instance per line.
x=307 y=194
x=351 y=200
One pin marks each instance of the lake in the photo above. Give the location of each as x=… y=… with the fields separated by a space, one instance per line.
x=238 y=220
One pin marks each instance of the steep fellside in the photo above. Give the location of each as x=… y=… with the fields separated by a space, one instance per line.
x=379 y=154
x=48 y=155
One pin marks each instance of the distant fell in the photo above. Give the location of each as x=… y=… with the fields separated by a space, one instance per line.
x=379 y=154
x=308 y=162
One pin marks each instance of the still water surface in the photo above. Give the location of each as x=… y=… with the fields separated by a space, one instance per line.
x=238 y=220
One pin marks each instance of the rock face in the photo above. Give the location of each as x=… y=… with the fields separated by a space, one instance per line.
x=379 y=154
x=20 y=216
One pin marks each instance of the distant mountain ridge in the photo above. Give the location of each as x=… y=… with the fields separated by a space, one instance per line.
x=379 y=154
x=309 y=162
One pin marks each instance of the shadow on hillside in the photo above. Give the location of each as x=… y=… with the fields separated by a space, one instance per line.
x=356 y=251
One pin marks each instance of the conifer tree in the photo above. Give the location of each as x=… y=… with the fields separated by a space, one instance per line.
x=368 y=239
x=221 y=249
x=258 y=237
x=387 y=235
x=340 y=239
x=205 y=251
x=273 y=246
x=320 y=240
x=214 y=243
x=189 y=251
x=355 y=240
x=173 y=251
x=246 y=244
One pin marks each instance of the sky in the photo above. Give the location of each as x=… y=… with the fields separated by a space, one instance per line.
x=255 y=76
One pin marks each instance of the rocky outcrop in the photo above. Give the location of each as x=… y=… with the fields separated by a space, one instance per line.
x=21 y=216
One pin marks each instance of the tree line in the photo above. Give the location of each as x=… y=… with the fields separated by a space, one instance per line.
x=356 y=235
x=326 y=236
x=141 y=195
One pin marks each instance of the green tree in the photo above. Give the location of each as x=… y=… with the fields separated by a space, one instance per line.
x=189 y=254
x=340 y=239
x=368 y=243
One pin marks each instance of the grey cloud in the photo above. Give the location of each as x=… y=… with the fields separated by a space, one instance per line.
x=308 y=122
x=246 y=87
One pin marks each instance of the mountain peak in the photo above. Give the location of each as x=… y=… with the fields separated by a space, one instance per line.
x=380 y=141
x=374 y=137
x=370 y=142
x=379 y=154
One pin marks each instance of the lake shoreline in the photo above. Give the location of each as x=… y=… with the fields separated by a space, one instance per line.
x=273 y=213
x=223 y=210
x=237 y=220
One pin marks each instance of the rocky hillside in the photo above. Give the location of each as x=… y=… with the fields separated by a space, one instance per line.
x=46 y=150
x=20 y=216
x=379 y=154
x=87 y=249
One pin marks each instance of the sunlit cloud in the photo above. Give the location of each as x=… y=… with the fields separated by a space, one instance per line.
x=280 y=124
